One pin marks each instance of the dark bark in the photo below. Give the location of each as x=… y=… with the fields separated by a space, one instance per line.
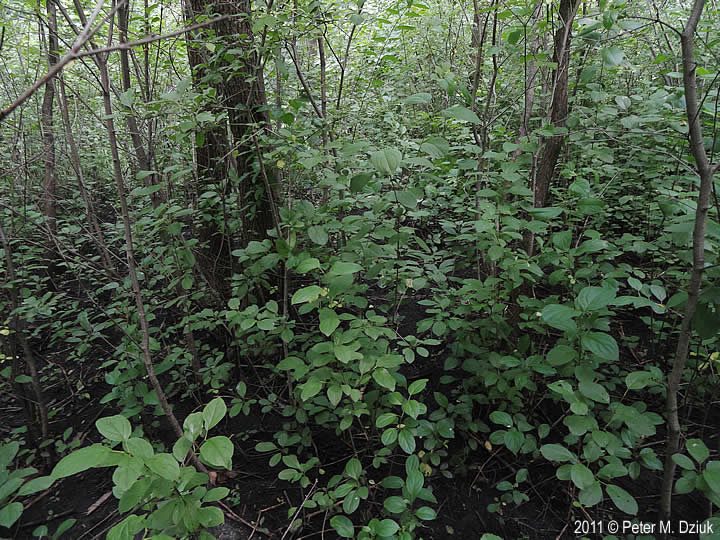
x=49 y=189
x=550 y=150
x=705 y=171
x=240 y=93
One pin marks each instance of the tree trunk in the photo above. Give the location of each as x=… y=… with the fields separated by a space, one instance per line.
x=141 y=156
x=49 y=189
x=550 y=150
x=705 y=172
x=240 y=92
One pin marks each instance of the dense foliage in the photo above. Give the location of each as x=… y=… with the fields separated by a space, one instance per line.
x=391 y=262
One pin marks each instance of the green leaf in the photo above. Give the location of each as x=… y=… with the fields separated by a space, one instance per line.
x=353 y=469
x=343 y=526
x=306 y=294
x=386 y=527
x=35 y=485
x=216 y=494
x=418 y=99
x=114 y=428
x=214 y=412
x=385 y=420
x=139 y=447
x=10 y=513
x=425 y=513
x=461 y=113
x=622 y=499
x=406 y=198
x=395 y=504
x=386 y=161
x=406 y=440
x=561 y=355
x=358 y=182
x=612 y=55
x=318 y=235
x=217 y=452
x=306 y=265
x=310 y=388
x=384 y=378
x=265 y=447
x=164 y=465
x=601 y=344
x=210 y=516
x=594 y=298
x=594 y=391
x=581 y=476
x=501 y=418
x=342 y=268
x=711 y=475
x=638 y=380
x=697 y=449
x=181 y=448
x=417 y=386
x=591 y=495
x=81 y=460
x=8 y=453
x=560 y=317
x=557 y=452
x=127 y=528
x=684 y=462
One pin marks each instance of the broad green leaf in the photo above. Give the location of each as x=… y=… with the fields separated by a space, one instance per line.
x=684 y=462
x=114 y=428
x=318 y=235
x=164 y=465
x=386 y=528
x=711 y=475
x=622 y=499
x=502 y=418
x=383 y=377
x=406 y=198
x=557 y=452
x=307 y=294
x=35 y=485
x=81 y=460
x=560 y=317
x=697 y=449
x=406 y=440
x=601 y=344
x=461 y=113
x=581 y=476
x=343 y=268
x=594 y=298
x=638 y=380
x=612 y=55
x=417 y=386
x=217 y=452
x=386 y=161
x=591 y=495
x=10 y=513
x=343 y=526
x=310 y=388
x=214 y=412
x=418 y=99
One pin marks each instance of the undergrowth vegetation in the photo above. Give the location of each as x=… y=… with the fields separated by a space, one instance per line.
x=393 y=257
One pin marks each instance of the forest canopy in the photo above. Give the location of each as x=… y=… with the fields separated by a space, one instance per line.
x=359 y=269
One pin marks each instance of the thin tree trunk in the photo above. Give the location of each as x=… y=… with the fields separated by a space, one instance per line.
x=18 y=327
x=141 y=156
x=95 y=231
x=705 y=172
x=551 y=147
x=49 y=189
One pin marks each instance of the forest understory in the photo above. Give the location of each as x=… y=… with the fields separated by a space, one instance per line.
x=389 y=269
